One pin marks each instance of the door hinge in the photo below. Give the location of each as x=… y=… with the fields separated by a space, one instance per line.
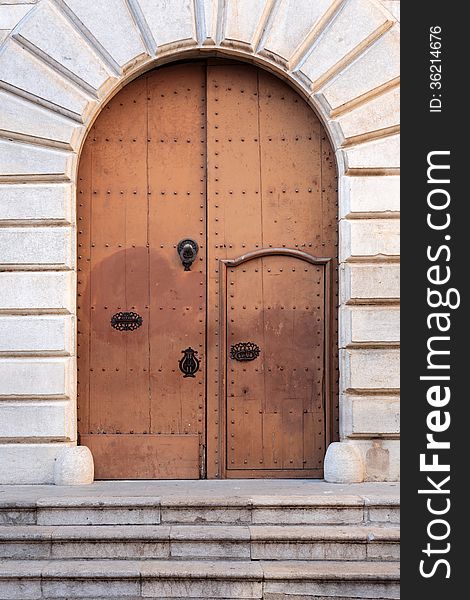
x=202 y=461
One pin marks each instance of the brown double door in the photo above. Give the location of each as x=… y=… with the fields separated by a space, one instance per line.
x=214 y=357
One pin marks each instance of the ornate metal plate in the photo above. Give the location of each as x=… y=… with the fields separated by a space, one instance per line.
x=244 y=351
x=126 y=321
x=189 y=364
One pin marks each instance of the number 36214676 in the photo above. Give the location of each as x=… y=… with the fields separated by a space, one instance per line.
x=435 y=67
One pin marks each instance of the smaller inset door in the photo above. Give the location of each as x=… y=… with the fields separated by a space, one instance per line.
x=276 y=302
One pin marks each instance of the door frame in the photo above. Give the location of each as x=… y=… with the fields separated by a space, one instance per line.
x=216 y=457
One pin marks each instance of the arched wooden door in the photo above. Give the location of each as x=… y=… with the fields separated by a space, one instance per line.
x=207 y=279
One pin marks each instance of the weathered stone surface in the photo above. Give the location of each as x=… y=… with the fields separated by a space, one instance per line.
x=347 y=590
x=28 y=75
x=383 y=551
x=383 y=153
x=36 y=201
x=201 y=579
x=343 y=464
x=369 y=194
x=330 y=579
x=370 y=282
x=36 y=246
x=24 y=589
x=121 y=40
x=360 y=324
x=17 y=516
x=393 y=6
x=316 y=500
x=370 y=369
x=12 y=14
x=280 y=542
x=382 y=515
x=84 y=512
x=330 y=571
x=382 y=463
x=179 y=21
x=294 y=19
x=207 y=588
x=242 y=20
x=209 y=580
x=354 y=23
x=206 y=541
x=121 y=533
x=315 y=550
x=313 y=515
x=28 y=463
x=374 y=415
x=377 y=66
x=210 y=549
x=19 y=160
x=51 y=34
x=23 y=291
x=369 y=237
x=209 y=17
x=85 y=542
x=201 y=514
x=85 y=570
x=74 y=466
x=30 y=419
x=34 y=377
x=24 y=118
x=27 y=550
x=202 y=569
x=201 y=533
x=379 y=113
x=83 y=588
x=38 y=334
x=310 y=533
x=110 y=550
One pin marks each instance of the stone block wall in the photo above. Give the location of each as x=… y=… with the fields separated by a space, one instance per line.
x=60 y=60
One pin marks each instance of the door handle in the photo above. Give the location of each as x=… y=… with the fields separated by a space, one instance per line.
x=187 y=250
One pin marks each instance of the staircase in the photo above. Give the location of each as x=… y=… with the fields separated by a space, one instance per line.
x=231 y=546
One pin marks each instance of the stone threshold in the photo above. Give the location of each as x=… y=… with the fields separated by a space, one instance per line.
x=169 y=491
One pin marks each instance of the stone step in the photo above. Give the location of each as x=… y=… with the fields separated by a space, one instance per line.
x=154 y=579
x=253 y=542
x=146 y=510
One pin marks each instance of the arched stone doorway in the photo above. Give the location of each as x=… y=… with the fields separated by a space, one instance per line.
x=59 y=66
x=225 y=366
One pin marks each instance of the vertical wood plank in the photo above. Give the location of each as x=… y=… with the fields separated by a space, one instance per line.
x=177 y=184
x=233 y=214
x=118 y=381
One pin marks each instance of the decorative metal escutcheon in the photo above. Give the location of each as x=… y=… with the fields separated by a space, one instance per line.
x=187 y=250
x=244 y=351
x=126 y=321
x=189 y=364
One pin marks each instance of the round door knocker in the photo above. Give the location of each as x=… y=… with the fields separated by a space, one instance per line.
x=187 y=251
